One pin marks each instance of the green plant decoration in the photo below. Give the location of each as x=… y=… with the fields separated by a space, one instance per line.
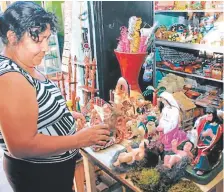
x=149 y=177
x=185 y=186
x=146 y=179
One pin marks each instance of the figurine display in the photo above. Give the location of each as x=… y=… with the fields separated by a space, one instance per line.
x=170 y=160
x=132 y=154
x=169 y=122
x=122 y=91
x=145 y=154
x=96 y=119
x=210 y=141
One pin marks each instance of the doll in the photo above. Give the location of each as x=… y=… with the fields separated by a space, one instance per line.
x=169 y=121
x=95 y=118
x=122 y=91
x=210 y=141
x=170 y=160
x=131 y=155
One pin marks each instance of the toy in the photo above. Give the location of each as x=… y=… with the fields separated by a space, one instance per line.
x=131 y=155
x=181 y=5
x=164 y=5
x=147 y=76
x=170 y=160
x=169 y=121
x=210 y=141
x=122 y=91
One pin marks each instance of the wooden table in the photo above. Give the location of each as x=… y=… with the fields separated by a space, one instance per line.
x=103 y=158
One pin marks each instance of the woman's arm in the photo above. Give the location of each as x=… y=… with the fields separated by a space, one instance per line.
x=18 y=123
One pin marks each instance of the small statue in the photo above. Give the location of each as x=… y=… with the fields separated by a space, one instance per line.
x=95 y=118
x=169 y=121
x=122 y=91
x=140 y=106
x=210 y=141
x=170 y=160
x=107 y=111
x=131 y=155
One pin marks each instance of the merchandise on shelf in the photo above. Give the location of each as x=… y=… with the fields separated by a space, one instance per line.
x=204 y=64
x=192 y=27
x=164 y=5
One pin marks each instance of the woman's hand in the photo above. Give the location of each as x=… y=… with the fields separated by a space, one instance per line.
x=98 y=134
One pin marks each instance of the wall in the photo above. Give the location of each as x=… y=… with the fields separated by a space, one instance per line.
x=55 y=6
x=109 y=17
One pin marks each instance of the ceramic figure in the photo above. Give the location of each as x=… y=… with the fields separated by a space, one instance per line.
x=169 y=121
x=210 y=141
x=170 y=160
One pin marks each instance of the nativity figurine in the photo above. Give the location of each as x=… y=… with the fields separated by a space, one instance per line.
x=122 y=91
x=132 y=154
x=170 y=160
x=169 y=121
x=210 y=141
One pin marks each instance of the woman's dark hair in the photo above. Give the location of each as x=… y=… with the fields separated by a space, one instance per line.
x=25 y=16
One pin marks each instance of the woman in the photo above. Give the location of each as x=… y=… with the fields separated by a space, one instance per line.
x=37 y=131
x=210 y=141
x=169 y=121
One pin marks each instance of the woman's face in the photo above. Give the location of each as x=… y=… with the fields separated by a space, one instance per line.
x=30 y=53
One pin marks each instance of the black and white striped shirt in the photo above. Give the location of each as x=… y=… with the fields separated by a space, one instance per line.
x=54 y=118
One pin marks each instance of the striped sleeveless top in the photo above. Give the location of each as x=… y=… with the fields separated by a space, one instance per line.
x=54 y=118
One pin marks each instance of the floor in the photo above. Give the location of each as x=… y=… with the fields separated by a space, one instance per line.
x=4 y=186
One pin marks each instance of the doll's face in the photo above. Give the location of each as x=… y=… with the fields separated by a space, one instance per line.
x=209 y=117
x=187 y=147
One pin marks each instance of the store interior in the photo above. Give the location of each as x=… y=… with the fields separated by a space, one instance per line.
x=153 y=71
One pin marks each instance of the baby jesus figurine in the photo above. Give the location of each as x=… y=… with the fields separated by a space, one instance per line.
x=170 y=160
x=132 y=155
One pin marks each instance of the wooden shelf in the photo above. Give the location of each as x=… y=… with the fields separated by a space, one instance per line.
x=188 y=11
x=88 y=89
x=218 y=49
x=189 y=74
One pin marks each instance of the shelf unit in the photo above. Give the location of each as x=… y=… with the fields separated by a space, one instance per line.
x=188 y=11
x=195 y=46
x=51 y=64
x=189 y=47
x=189 y=74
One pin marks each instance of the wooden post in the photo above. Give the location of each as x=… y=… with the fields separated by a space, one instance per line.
x=63 y=85
x=89 y=174
x=69 y=77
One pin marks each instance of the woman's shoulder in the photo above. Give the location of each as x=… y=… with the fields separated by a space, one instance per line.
x=7 y=65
